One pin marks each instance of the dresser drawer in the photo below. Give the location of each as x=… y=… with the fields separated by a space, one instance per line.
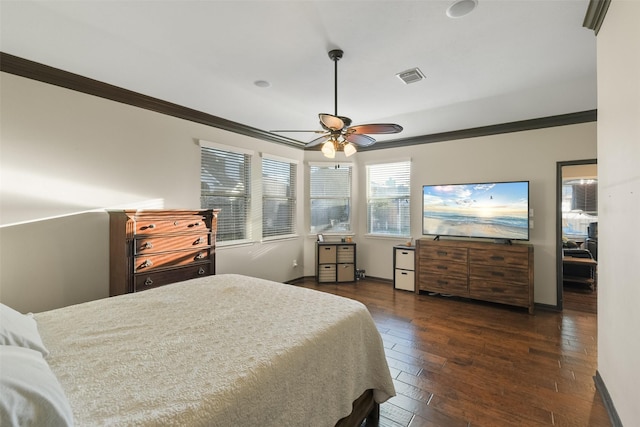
x=404 y=279
x=499 y=258
x=501 y=292
x=171 y=225
x=445 y=253
x=405 y=259
x=151 y=262
x=145 y=281
x=499 y=274
x=345 y=253
x=345 y=273
x=444 y=284
x=436 y=267
x=326 y=254
x=155 y=244
x=327 y=273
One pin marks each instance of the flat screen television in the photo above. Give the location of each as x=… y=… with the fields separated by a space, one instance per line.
x=494 y=210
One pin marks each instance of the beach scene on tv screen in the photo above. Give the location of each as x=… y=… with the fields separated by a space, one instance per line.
x=491 y=210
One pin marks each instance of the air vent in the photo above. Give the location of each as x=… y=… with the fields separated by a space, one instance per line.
x=411 y=76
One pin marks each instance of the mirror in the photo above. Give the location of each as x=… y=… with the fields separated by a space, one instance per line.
x=577 y=219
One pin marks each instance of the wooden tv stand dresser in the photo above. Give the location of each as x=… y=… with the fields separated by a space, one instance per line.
x=500 y=273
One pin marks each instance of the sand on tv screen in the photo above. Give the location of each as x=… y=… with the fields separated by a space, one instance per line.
x=496 y=210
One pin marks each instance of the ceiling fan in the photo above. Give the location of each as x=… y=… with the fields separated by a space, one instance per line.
x=337 y=133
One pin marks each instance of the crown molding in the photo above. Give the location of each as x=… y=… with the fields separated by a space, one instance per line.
x=519 y=126
x=33 y=70
x=596 y=12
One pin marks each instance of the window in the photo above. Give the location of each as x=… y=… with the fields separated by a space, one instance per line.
x=388 y=199
x=330 y=194
x=278 y=197
x=225 y=180
x=579 y=206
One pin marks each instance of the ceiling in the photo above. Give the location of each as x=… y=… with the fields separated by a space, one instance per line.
x=506 y=61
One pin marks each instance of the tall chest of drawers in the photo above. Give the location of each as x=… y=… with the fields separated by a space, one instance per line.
x=151 y=248
x=479 y=270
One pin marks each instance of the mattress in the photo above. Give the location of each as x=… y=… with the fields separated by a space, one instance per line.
x=225 y=350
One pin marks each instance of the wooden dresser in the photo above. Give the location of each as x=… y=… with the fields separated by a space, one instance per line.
x=479 y=270
x=151 y=248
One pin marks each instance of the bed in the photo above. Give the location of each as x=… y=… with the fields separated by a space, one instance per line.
x=225 y=350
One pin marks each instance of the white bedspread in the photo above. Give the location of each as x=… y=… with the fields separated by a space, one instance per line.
x=224 y=350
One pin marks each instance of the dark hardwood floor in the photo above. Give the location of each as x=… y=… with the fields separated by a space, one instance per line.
x=579 y=297
x=459 y=362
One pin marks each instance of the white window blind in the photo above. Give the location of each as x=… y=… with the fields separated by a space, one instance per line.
x=278 y=197
x=330 y=194
x=585 y=197
x=388 y=199
x=225 y=178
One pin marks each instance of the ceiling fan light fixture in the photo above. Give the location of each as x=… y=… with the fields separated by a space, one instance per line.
x=336 y=126
x=329 y=149
x=349 y=149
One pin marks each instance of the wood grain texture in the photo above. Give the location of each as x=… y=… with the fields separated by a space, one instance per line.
x=461 y=362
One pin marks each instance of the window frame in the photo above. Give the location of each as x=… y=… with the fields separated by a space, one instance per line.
x=248 y=193
x=291 y=197
x=327 y=231
x=397 y=197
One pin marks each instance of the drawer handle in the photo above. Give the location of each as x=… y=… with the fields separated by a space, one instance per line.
x=442 y=267
x=147 y=245
x=442 y=253
x=151 y=226
x=199 y=241
x=201 y=255
x=403 y=273
x=176 y=223
x=195 y=224
x=201 y=271
x=497 y=258
x=443 y=282
x=148 y=282
x=327 y=248
x=404 y=253
x=497 y=273
x=146 y=263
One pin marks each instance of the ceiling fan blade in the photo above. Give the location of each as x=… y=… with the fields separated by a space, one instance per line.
x=294 y=130
x=359 y=139
x=376 y=128
x=331 y=122
x=318 y=141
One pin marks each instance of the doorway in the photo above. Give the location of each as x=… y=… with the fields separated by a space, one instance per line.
x=577 y=235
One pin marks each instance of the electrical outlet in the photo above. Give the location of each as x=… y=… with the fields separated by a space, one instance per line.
x=295 y=263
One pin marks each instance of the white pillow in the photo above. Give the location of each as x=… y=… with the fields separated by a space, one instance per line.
x=20 y=329
x=30 y=394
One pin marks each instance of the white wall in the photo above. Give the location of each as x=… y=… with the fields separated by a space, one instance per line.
x=619 y=207
x=67 y=156
x=528 y=155
x=66 y=153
